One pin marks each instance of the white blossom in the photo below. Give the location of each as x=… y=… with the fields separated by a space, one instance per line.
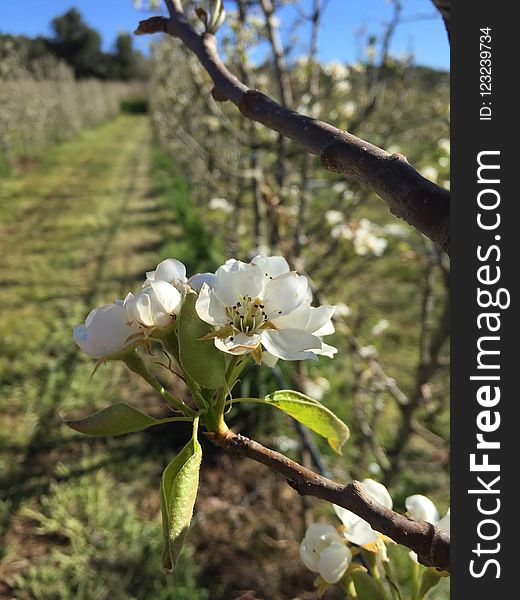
x=336 y=70
x=343 y=87
x=444 y=145
x=444 y=523
x=105 y=332
x=396 y=230
x=342 y=311
x=197 y=281
x=421 y=508
x=170 y=270
x=316 y=388
x=357 y=530
x=380 y=327
x=333 y=217
x=262 y=305
x=341 y=232
x=374 y=468
x=430 y=173
x=285 y=443
x=323 y=551
x=156 y=305
x=220 y=204
x=348 y=109
x=365 y=241
x=369 y=351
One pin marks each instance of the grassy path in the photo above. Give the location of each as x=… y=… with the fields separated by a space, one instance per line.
x=76 y=231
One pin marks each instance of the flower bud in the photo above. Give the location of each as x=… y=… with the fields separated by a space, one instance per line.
x=105 y=331
x=154 y=306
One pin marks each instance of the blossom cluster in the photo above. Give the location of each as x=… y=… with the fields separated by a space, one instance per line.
x=260 y=307
x=325 y=550
x=362 y=234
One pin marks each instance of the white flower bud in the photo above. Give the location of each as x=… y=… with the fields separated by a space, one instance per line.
x=333 y=217
x=154 y=306
x=170 y=270
x=323 y=551
x=105 y=331
x=357 y=530
x=421 y=508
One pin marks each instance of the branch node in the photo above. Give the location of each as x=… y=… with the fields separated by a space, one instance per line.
x=152 y=25
x=218 y=96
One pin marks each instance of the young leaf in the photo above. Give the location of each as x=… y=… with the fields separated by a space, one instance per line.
x=116 y=420
x=179 y=485
x=366 y=586
x=430 y=579
x=199 y=358
x=313 y=415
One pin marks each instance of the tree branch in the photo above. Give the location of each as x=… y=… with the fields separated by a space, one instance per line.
x=431 y=543
x=443 y=6
x=408 y=195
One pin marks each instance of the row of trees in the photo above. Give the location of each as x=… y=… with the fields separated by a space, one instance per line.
x=79 y=45
x=258 y=191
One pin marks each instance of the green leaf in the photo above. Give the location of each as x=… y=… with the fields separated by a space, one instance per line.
x=179 y=485
x=430 y=579
x=116 y=420
x=199 y=358
x=366 y=586
x=313 y=415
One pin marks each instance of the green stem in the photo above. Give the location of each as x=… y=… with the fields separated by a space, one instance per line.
x=136 y=364
x=377 y=578
x=237 y=365
x=246 y=400
x=351 y=590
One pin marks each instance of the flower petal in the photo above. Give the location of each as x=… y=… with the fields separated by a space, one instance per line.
x=268 y=359
x=209 y=308
x=238 y=344
x=421 y=508
x=347 y=517
x=290 y=344
x=196 y=281
x=296 y=319
x=378 y=491
x=170 y=270
x=334 y=561
x=361 y=533
x=326 y=350
x=320 y=319
x=237 y=280
x=283 y=294
x=310 y=558
x=105 y=331
x=272 y=266
x=444 y=523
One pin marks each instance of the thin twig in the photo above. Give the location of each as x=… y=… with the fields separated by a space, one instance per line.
x=432 y=544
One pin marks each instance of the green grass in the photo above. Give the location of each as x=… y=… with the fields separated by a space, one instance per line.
x=79 y=518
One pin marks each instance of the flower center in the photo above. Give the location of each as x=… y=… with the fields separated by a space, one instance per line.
x=247 y=315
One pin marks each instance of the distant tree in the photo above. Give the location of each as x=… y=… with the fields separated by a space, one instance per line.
x=78 y=44
x=125 y=63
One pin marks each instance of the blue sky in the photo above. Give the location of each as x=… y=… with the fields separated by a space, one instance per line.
x=338 y=39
